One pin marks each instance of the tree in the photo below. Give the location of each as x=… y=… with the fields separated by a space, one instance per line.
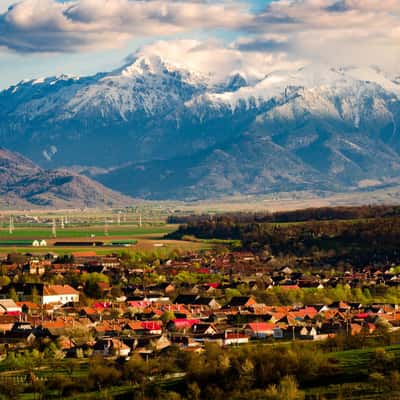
x=377 y=380
x=91 y=283
x=193 y=391
x=102 y=375
x=136 y=370
x=167 y=316
x=382 y=361
x=71 y=366
x=10 y=390
x=12 y=294
x=35 y=295
x=79 y=334
x=4 y=280
x=286 y=390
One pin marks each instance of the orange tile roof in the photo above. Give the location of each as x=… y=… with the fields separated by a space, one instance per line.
x=85 y=254
x=261 y=326
x=56 y=290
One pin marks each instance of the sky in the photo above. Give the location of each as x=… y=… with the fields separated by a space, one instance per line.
x=81 y=37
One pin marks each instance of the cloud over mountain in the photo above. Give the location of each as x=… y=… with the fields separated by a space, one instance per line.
x=215 y=58
x=335 y=32
x=51 y=26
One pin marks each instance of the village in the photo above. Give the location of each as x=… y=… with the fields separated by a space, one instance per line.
x=114 y=306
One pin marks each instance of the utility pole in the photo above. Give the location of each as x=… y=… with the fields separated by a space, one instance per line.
x=62 y=222
x=140 y=220
x=54 y=229
x=105 y=227
x=11 y=226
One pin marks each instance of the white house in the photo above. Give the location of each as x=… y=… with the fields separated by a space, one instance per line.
x=111 y=347
x=235 y=338
x=59 y=294
x=9 y=306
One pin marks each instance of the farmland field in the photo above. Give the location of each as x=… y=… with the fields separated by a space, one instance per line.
x=84 y=231
x=148 y=238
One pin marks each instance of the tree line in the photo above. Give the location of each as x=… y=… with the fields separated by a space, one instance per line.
x=359 y=242
x=302 y=215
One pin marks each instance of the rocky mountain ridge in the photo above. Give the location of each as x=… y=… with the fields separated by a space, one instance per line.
x=160 y=131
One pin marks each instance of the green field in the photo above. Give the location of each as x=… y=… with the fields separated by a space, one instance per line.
x=148 y=238
x=353 y=379
x=84 y=231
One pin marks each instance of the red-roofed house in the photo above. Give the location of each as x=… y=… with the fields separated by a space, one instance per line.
x=259 y=329
x=182 y=324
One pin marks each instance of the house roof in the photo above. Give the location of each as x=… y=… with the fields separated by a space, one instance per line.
x=260 y=326
x=84 y=254
x=181 y=323
x=9 y=304
x=28 y=304
x=237 y=301
x=202 y=328
x=57 y=290
x=185 y=299
x=204 y=301
x=145 y=325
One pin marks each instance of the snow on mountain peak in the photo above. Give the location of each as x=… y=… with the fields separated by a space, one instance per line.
x=155 y=67
x=144 y=65
x=151 y=84
x=316 y=78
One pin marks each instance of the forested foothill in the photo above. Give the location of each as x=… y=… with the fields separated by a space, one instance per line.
x=355 y=235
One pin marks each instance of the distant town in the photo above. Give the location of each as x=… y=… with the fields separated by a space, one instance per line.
x=158 y=297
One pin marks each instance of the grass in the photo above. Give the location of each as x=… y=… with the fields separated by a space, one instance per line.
x=352 y=383
x=84 y=231
x=149 y=239
x=356 y=361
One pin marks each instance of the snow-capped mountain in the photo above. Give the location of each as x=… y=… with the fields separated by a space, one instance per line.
x=160 y=130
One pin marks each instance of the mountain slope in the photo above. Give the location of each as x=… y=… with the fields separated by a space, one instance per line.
x=24 y=184
x=158 y=130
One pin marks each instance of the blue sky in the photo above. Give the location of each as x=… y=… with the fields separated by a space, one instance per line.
x=79 y=37
x=19 y=65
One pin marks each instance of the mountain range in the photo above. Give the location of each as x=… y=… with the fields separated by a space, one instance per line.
x=23 y=184
x=157 y=130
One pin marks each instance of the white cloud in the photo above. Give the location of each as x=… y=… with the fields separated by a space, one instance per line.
x=47 y=25
x=215 y=58
x=337 y=31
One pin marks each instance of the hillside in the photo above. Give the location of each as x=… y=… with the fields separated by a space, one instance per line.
x=160 y=131
x=24 y=185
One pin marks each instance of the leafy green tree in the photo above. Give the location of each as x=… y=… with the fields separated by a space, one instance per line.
x=4 y=280
x=167 y=316
x=35 y=295
x=12 y=294
x=91 y=283
x=102 y=375
x=286 y=390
